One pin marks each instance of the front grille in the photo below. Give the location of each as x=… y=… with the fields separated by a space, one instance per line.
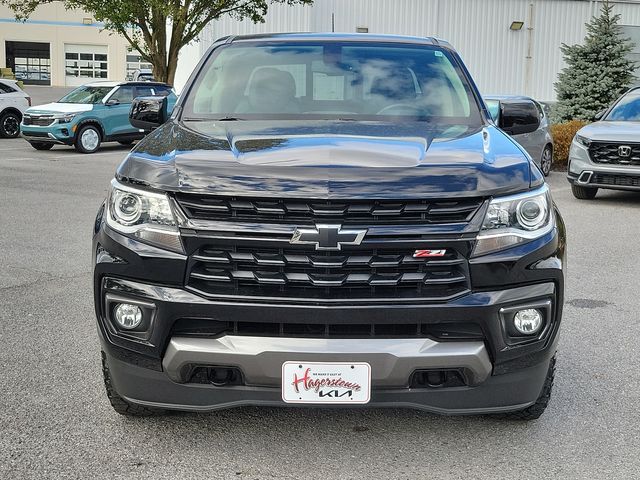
x=38 y=120
x=199 y=327
x=306 y=212
x=615 y=180
x=608 y=153
x=301 y=272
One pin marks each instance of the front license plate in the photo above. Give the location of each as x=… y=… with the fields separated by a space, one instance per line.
x=326 y=383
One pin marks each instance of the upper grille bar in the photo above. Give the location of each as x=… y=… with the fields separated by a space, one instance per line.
x=308 y=212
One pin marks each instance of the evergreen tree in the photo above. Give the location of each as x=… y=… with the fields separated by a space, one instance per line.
x=597 y=71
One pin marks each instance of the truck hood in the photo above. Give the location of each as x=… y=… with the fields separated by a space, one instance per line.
x=57 y=107
x=612 y=131
x=328 y=160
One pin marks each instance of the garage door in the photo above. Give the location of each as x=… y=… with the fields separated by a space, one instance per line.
x=85 y=63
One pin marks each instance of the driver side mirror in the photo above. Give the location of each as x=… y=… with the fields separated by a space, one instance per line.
x=111 y=102
x=147 y=113
x=519 y=118
x=599 y=115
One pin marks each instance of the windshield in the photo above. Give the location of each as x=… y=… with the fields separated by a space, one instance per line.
x=332 y=80
x=86 y=94
x=627 y=109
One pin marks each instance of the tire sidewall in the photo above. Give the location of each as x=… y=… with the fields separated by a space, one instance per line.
x=548 y=170
x=3 y=119
x=78 y=143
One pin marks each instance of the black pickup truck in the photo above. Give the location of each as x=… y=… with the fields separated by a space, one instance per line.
x=328 y=220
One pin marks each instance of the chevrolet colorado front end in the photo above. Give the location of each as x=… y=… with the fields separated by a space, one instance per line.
x=328 y=220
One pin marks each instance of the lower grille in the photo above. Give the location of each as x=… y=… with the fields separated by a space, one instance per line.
x=615 y=180
x=615 y=153
x=38 y=134
x=439 y=331
x=302 y=272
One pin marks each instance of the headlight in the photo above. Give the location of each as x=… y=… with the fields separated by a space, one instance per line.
x=65 y=117
x=515 y=219
x=144 y=215
x=584 y=141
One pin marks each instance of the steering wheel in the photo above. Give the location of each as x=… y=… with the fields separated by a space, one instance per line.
x=405 y=108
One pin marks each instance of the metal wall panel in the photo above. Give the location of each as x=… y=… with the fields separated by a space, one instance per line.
x=501 y=61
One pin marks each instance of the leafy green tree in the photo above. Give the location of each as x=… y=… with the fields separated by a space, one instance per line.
x=158 y=29
x=597 y=71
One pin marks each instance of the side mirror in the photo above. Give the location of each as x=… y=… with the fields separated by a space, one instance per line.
x=111 y=102
x=599 y=115
x=519 y=118
x=147 y=113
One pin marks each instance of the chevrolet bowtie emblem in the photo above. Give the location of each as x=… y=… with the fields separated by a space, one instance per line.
x=328 y=237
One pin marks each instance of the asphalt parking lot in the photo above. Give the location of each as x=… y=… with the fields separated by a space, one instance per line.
x=55 y=421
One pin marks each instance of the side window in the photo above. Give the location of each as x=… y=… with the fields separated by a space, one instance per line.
x=124 y=94
x=144 y=92
x=161 y=91
x=5 y=88
x=494 y=109
x=540 y=110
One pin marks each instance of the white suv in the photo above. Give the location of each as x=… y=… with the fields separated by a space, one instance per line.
x=13 y=101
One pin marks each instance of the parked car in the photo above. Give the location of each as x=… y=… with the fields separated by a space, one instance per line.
x=524 y=111
x=143 y=75
x=89 y=115
x=13 y=101
x=606 y=154
x=328 y=219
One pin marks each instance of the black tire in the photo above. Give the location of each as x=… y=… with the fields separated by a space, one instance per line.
x=41 y=145
x=546 y=160
x=88 y=139
x=125 y=142
x=119 y=404
x=534 y=411
x=9 y=125
x=583 y=193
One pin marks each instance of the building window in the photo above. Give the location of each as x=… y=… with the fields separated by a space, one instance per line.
x=135 y=62
x=30 y=61
x=362 y=29
x=85 y=62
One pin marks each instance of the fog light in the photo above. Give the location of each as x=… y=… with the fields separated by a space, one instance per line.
x=128 y=316
x=527 y=321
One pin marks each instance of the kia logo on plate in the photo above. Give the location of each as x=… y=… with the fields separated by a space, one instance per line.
x=328 y=237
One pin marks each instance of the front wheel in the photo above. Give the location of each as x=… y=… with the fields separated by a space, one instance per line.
x=546 y=160
x=9 y=125
x=583 y=193
x=88 y=139
x=41 y=145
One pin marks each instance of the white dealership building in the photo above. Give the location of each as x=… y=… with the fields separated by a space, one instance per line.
x=510 y=46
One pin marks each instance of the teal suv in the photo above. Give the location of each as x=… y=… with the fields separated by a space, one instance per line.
x=89 y=115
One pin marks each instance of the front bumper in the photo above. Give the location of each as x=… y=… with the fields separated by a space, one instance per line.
x=584 y=172
x=499 y=393
x=59 y=133
x=501 y=373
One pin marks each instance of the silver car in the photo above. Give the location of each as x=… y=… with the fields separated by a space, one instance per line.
x=606 y=154
x=536 y=141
